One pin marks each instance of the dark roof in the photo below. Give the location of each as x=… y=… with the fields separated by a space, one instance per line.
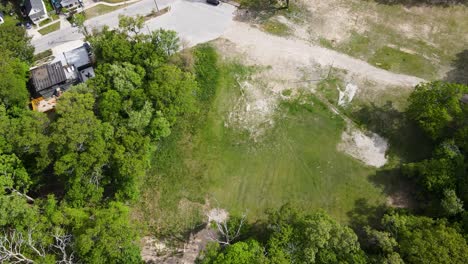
x=33 y=4
x=47 y=76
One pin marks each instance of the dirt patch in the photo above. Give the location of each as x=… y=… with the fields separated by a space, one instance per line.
x=370 y=149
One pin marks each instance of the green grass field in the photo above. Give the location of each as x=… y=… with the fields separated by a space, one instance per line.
x=297 y=161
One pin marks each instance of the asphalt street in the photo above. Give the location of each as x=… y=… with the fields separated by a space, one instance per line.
x=194 y=20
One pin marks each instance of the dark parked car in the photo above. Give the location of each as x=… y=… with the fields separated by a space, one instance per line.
x=213 y=2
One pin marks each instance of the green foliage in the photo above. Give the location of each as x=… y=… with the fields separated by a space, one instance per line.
x=172 y=92
x=13 y=77
x=436 y=107
x=13 y=176
x=424 y=240
x=441 y=171
x=248 y=252
x=15 y=41
x=107 y=237
x=451 y=203
x=300 y=238
x=294 y=237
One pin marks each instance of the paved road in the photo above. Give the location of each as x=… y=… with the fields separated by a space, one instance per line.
x=194 y=20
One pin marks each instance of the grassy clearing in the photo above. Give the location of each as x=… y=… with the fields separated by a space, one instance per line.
x=296 y=161
x=275 y=27
x=99 y=10
x=49 y=29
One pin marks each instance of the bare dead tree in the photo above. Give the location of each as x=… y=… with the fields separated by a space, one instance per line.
x=12 y=246
x=61 y=244
x=225 y=233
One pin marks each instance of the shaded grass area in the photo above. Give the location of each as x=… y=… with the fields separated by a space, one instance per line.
x=49 y=29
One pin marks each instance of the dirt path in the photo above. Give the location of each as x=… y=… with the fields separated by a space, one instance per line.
x=271 y=50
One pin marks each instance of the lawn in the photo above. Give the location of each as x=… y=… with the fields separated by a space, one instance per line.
x=99 y=10
x=296 y=161
x=49 y=29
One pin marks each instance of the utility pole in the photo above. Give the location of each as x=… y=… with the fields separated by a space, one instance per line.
x=156 y=4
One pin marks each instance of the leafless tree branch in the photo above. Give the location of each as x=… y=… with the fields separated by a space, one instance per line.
x=61 y=243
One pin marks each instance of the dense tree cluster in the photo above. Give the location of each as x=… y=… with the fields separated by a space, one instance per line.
x=67 y=178
x=441 y=110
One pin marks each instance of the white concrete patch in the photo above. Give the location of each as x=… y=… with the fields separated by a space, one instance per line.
x=345 y=97
x=368 y=149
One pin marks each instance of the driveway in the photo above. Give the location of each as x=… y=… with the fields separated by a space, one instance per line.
x=194 y=21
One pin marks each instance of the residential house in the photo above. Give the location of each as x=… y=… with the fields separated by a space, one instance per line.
x=49 y=81
x=35 y=10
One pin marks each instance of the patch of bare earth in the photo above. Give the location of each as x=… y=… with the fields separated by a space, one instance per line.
x=158 y=251
x=369 y=147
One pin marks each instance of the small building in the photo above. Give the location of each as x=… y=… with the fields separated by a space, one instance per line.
x=2 y=20
x=49 y=81
x=35 y=10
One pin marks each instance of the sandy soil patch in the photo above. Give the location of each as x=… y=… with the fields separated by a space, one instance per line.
x=370 y=149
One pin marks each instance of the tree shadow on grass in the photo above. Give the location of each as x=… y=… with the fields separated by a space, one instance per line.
x=365 y=214
x=407 y=141
x=459 y=73
x=410 y=3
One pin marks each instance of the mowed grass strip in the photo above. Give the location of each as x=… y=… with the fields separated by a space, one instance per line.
x=99 y=10
x=49 y=29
